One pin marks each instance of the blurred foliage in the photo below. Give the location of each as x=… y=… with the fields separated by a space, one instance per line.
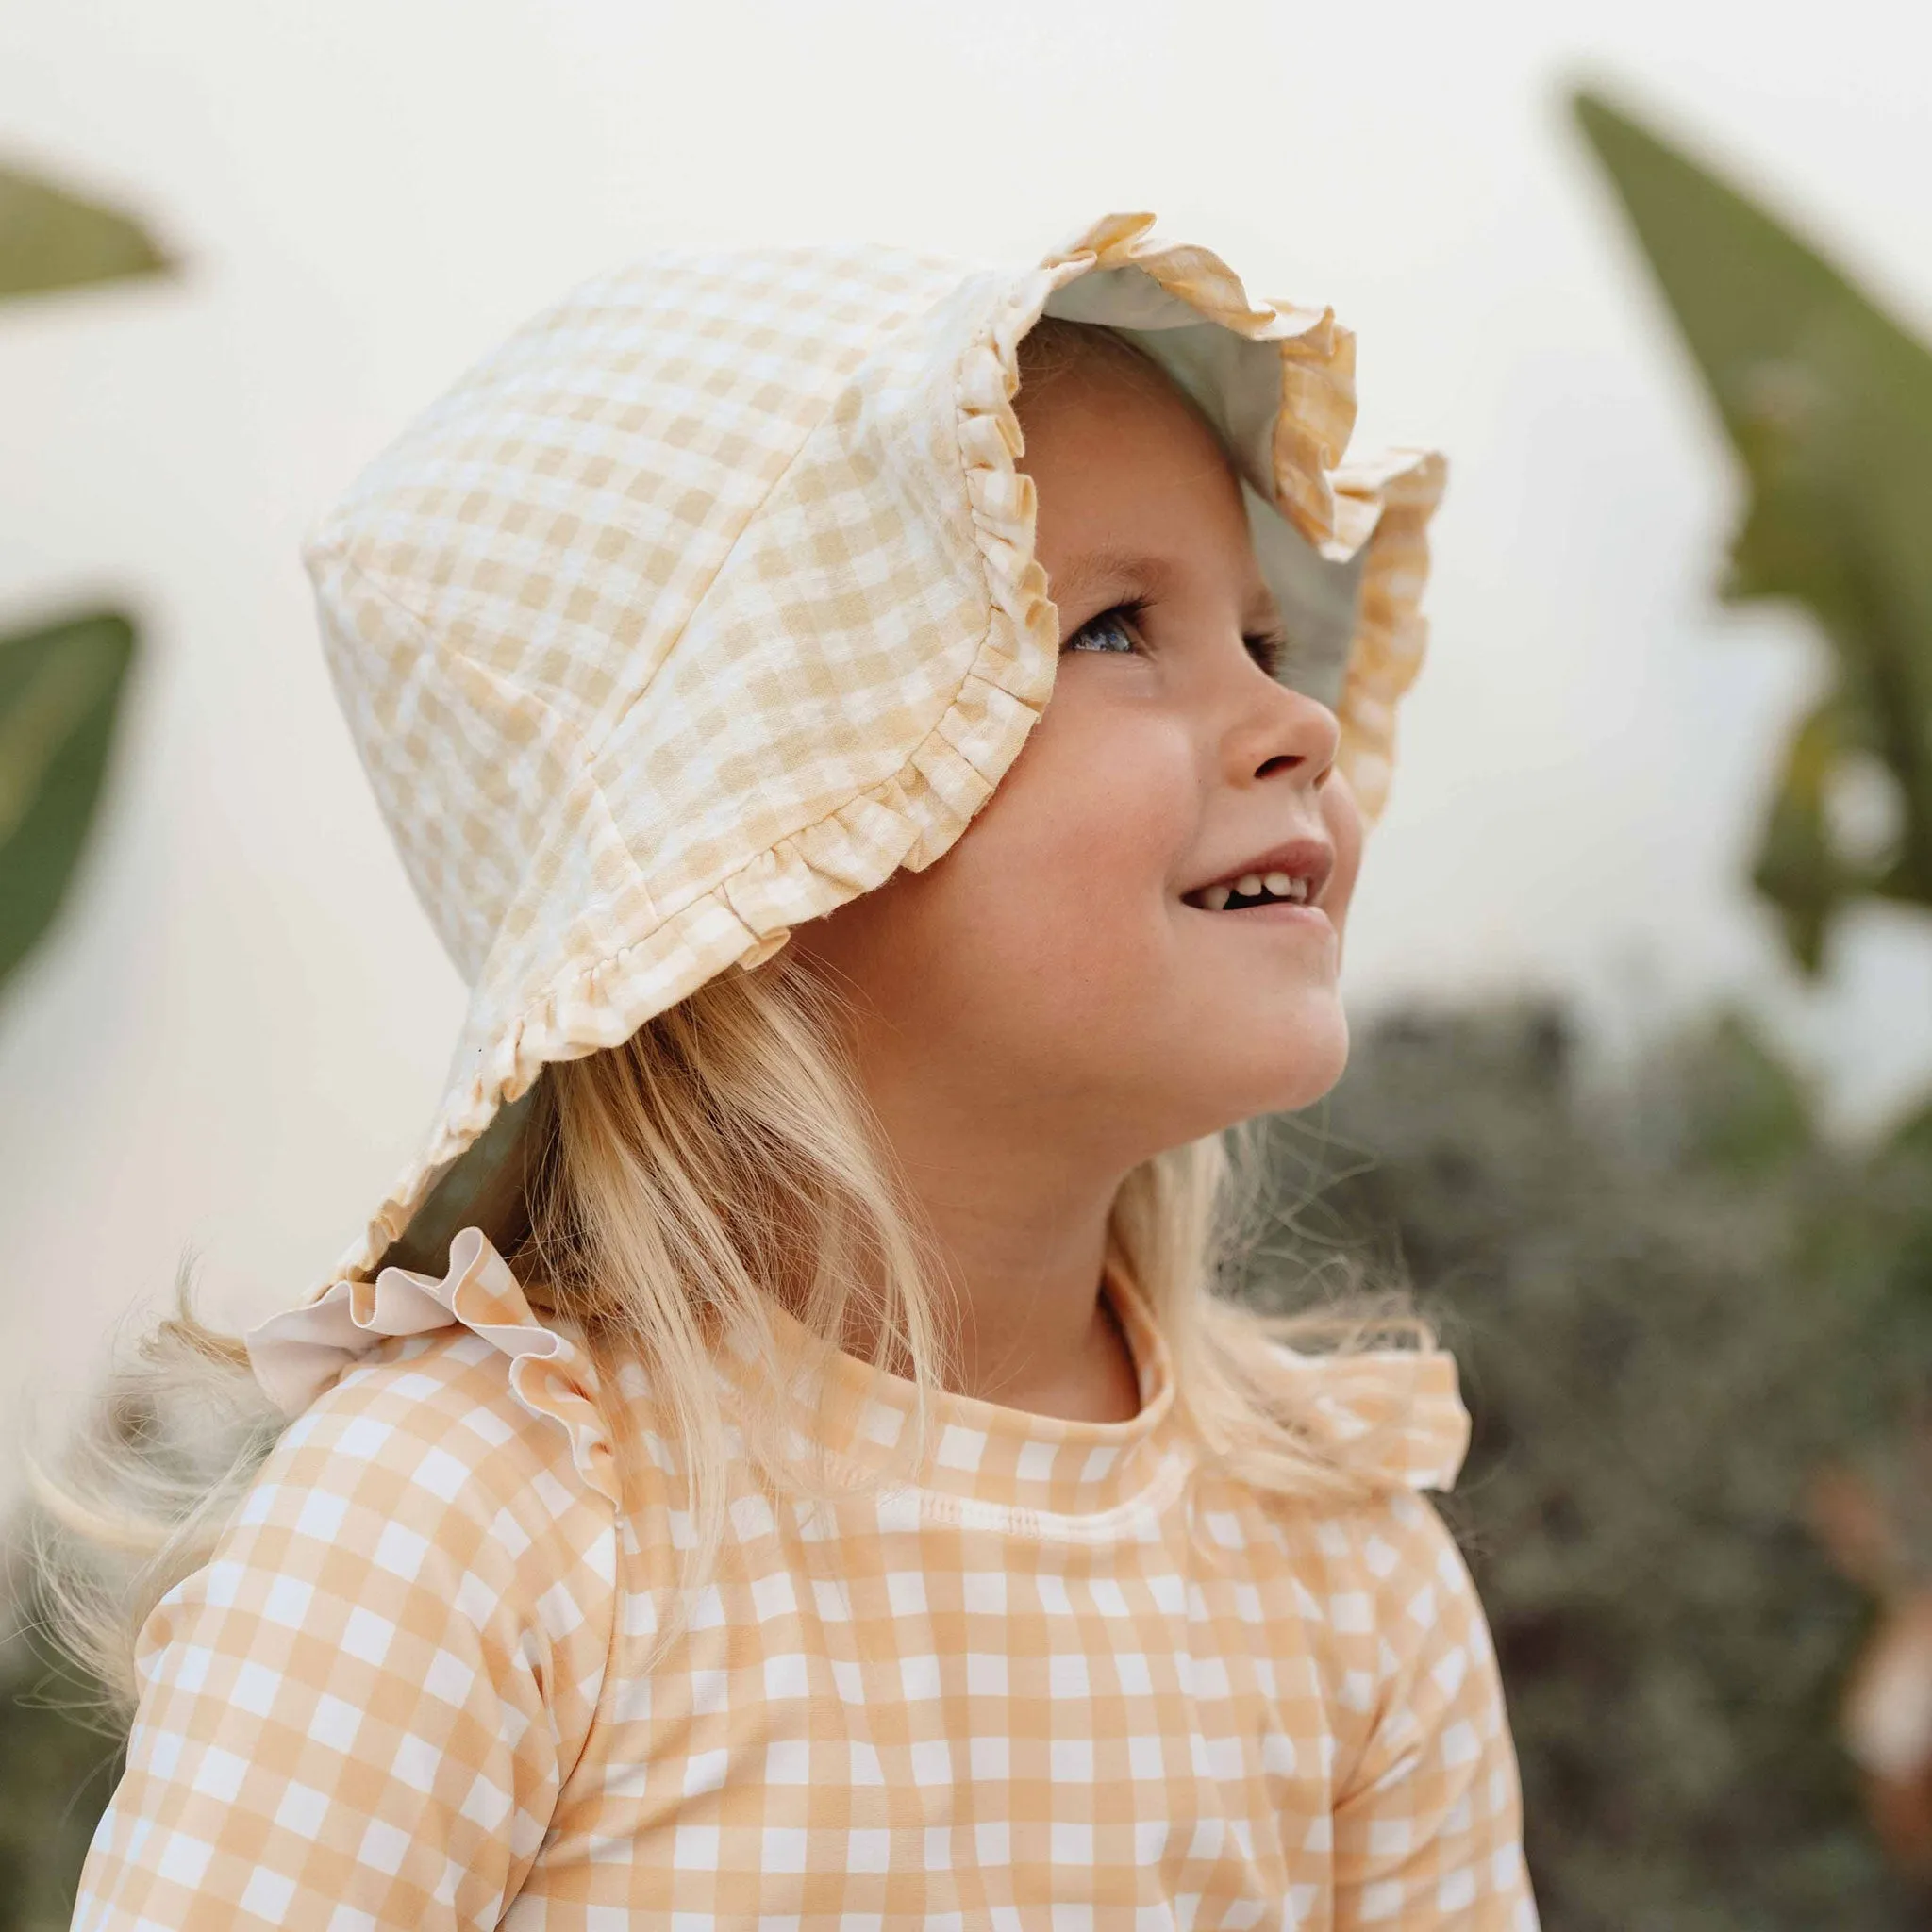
x=1672 y=1300
x=62 y=1738
x=50 y=238
x=1828 y=402
x=60 y=683
x=60 y=691
x=56 y=1777
x=55 y=1780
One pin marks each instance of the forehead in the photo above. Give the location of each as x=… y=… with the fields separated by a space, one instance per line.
x=1127 y=468
x=1107 y=431
x=1082 y=370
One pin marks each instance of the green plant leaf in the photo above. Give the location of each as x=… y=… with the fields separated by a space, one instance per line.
x=1828 y=403
x=50 y=238
x=1797 y=866
x=60 y=694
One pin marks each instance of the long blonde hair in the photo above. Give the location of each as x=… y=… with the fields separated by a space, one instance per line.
x=668 y=1187
x=723 y=1154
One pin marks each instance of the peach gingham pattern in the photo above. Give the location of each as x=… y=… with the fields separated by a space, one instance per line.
x=1072 y=1680
x=708 y=601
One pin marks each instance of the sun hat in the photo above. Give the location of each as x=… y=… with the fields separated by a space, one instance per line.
x=708 y=601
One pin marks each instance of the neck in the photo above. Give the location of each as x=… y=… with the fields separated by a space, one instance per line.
x=1020 y=1225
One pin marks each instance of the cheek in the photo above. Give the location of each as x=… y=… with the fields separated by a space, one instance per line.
x=1076 y=860
x=1343 y=816
x=1046 y=926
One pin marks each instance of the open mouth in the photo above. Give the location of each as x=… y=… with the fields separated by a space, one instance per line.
x=1292 y=873
x=1253 y=889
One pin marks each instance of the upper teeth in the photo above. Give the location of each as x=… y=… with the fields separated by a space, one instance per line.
x=1255 y=885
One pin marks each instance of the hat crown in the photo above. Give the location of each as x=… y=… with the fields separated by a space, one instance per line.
x=502 y=584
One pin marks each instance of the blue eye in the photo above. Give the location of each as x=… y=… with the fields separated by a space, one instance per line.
x=1114 y=633
x=1110 y=625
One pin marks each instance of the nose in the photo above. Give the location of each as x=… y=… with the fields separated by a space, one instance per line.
x=1281 y=733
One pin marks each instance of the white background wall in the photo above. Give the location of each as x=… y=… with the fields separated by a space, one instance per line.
x=240 y=1031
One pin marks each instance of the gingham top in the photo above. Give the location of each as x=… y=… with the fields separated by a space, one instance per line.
x=1056 y=1684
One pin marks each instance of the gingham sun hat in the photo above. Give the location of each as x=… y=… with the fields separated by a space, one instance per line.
x=708 y=601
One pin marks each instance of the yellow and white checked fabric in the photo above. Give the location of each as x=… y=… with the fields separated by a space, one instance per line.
x=709 y=600
x=1074 y=1683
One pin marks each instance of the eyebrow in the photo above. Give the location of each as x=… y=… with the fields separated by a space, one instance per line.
x=1111 y=570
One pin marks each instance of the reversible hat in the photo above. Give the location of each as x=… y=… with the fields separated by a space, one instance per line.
x=708 y=601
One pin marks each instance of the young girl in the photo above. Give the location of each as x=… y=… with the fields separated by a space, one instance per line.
x=777 y=1458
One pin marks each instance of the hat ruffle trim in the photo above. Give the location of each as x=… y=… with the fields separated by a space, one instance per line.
x=1391 y=636
x=298 y=1354
x=1316 y=405
x=1383 y=504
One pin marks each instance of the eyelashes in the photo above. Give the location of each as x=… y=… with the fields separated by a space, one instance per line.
x=1269 y=649
x=1123 y=623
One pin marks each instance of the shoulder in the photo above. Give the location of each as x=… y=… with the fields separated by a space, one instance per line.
x=418 y=1480
x=1401 y=1644
x=452 y=1391
x=1392 y=1556
x=1393 y=1416
x=400 y=1640
x=435 y=1423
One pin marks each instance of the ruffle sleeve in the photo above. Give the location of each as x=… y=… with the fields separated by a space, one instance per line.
x=302 y=1351
x=1395 y=1413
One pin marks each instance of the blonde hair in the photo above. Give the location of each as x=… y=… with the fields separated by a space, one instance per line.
x=664 y=1189
x=723 y=1154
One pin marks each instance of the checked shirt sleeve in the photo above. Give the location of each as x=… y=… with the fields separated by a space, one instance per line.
x=1428 y=1817
x=359 y=1714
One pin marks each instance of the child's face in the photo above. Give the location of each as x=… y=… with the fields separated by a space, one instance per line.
x=1054 y=974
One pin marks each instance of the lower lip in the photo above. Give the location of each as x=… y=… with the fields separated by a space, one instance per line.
x=1279 y=912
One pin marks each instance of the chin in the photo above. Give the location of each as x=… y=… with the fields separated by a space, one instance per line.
x=1300 y=1066
x=1313 y=1060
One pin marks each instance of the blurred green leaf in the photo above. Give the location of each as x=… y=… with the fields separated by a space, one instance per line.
x=50 y=238
x=1745 y=1109
x=1828 y=402
x=60 y=692
x=1914 y=1135
x=1797 y=866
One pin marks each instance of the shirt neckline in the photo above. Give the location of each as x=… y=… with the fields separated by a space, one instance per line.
x=979 y=1451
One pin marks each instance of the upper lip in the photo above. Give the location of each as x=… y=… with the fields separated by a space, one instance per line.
x=1301 y=858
